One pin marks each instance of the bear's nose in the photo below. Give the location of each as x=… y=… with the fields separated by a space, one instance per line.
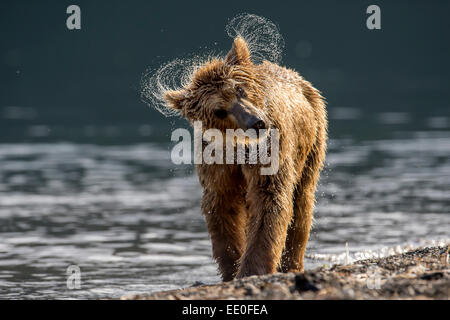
x=256 y=123
x=259 y=125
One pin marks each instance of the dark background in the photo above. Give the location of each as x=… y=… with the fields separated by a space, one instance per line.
x=85 y=170
x=61 y=81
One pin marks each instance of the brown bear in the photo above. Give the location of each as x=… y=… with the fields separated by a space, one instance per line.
x=258 y=224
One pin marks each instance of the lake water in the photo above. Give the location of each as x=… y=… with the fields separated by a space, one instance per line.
x=131 y=220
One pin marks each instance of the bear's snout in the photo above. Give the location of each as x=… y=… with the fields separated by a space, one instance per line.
x=246 y=119
x=256 y=123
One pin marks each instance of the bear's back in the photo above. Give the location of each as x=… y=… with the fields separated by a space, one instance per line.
x=294 y=88
x=275 y=73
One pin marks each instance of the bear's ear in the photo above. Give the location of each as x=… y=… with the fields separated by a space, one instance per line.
x=174 y=98
x=239 y=53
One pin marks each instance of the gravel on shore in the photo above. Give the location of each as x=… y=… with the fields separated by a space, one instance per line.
x=419 y=274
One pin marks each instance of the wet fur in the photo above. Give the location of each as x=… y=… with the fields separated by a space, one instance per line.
x=258 y=223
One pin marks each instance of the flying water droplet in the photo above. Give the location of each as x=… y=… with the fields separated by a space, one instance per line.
x=264 y=40
x=262 y=36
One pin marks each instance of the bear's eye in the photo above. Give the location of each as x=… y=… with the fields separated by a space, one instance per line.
x=240 y=92
x=220 y=113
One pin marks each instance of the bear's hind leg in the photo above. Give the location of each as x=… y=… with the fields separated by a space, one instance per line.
x=304 y=199
x=298 y=232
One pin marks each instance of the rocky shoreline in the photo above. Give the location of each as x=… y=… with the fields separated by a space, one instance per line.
x=419 y=274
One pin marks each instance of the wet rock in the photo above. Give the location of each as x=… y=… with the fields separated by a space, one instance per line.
x=197 y=284
x=418 y=274
x=251 y=290
x=432 y=276
x=302 y=283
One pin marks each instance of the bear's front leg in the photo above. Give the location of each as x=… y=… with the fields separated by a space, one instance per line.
x=226 y=219
x=271 y=208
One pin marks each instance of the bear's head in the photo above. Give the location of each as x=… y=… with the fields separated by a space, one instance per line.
x=224 y=93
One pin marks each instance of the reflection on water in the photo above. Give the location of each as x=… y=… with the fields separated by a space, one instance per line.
x=131 y=220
